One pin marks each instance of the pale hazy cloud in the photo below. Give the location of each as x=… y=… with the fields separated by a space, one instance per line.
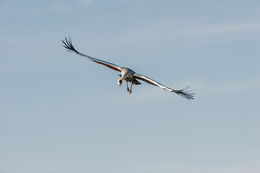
x=86 y=2
x=165 y=29
x=68 y=5
x=207 y=88
x=60 y=6
x=223 y=28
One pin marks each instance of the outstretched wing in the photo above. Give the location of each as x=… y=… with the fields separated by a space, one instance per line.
x=69 y=46
x=182 y=92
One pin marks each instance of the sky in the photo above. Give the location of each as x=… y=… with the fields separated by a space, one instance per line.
x=60 y=112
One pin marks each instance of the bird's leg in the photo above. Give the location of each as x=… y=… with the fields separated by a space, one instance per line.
x=130 y=90
x=127 y=88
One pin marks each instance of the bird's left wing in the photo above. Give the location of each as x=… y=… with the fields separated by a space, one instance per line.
x=69 y=46
x=182 y=92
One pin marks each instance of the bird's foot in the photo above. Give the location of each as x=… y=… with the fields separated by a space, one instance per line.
x=129 y=90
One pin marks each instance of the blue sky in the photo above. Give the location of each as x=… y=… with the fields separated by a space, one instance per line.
x=63 y=113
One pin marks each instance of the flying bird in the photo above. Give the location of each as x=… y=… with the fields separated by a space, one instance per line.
x=128 y=75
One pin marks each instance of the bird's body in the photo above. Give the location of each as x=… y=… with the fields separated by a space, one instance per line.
x=128 y=75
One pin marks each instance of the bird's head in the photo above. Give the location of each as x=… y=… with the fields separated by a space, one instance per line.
x=120 y=81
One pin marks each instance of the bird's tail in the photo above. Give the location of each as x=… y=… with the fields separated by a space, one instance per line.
x=185 y=92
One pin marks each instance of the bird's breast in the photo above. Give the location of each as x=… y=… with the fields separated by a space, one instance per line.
x=129 y=78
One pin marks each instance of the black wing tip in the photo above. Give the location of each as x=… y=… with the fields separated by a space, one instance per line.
x=186 y=93
x=67 y=43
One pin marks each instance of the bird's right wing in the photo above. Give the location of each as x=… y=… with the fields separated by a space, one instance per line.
x=69 y=46
x=182 y=92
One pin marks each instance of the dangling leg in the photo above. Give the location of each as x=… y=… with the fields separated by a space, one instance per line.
x=127 y=86
x=130 y=90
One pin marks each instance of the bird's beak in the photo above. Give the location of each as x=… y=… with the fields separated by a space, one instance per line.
x=119 y=82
